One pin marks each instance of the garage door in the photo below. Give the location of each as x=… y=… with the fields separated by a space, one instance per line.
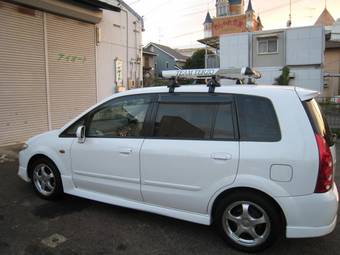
x=24 y=75
x=23 y=105
x=72 y=76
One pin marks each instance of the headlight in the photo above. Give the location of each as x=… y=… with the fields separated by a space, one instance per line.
x=23 y=147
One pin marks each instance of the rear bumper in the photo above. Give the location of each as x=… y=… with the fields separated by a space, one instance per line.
x=300 y=232
x=310 y=216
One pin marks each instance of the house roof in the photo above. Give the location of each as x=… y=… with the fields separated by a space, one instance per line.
x=325 y=19
x=101 y=4
x=118 y=3
x=171 y=52
x=232 y=1
x=250 y=7
x=208 y=19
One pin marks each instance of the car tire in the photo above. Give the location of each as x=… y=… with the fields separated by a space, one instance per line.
x=45 y=179
x=248 y=221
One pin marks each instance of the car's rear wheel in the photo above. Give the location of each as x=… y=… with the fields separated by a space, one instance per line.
x=248 y=221
x=46 y=179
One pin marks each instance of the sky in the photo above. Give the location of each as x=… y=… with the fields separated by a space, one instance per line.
x=178 y=23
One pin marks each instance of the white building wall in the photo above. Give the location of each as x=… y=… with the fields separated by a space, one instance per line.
x=305 y=46
x=234 y=51
x=120 y=38
x=269 y=74
x=308 y=77
x=304 y=54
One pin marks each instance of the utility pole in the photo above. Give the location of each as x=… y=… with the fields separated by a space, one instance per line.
x=289 y=22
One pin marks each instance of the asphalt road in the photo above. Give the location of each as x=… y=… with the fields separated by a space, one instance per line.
x=29 y=225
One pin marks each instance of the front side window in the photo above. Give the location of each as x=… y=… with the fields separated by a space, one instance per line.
x=267 y=45
x=184 y=120
x=257 y=119
x=71 y=131
x=123 y=117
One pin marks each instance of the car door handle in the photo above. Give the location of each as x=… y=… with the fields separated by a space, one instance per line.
x=221 y=156
x=125 y=151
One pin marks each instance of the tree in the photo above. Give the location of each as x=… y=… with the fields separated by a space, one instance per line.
x=284 y=78
x=197 y=60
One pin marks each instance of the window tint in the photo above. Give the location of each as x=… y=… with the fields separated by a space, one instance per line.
x=119 y=118
x=194 y=121
x=257 y=119
x=318 y=120
x=71 y=131
x=224 y=127
x=184 y=120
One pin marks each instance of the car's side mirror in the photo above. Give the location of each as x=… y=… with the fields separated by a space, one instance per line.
x=81 y=134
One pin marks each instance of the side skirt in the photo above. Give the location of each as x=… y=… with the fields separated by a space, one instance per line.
x=178 y=214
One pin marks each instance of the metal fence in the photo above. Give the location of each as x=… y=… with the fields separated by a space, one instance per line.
x=331 y=108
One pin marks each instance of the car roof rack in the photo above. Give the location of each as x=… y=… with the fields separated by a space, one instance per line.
x=213 y=74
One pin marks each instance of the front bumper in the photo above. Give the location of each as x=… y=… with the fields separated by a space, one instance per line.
x=22 y=172
x=23 y=163
x=312 y=215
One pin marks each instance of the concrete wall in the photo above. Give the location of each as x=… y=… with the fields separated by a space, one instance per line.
x=120 y=37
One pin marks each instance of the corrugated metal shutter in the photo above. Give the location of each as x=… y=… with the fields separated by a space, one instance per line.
x=71 y=58
x=23 y=105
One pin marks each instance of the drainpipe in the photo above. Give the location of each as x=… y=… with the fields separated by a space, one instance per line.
x=47 y=74
x=127 y=47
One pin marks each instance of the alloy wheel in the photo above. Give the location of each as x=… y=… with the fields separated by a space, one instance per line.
x=44 y=179
x=246 y=223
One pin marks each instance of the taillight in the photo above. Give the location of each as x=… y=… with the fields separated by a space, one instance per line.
x=325 y=176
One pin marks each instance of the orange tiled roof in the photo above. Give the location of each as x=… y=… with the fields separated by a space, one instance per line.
x=325 y=19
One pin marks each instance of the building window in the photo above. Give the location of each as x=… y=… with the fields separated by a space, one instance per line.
x=267 y=45
x=167 y=65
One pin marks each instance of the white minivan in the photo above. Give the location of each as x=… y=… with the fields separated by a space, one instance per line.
x=256 y=161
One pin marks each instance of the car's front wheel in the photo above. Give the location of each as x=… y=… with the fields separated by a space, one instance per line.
x=248 y=221
x=46 y=179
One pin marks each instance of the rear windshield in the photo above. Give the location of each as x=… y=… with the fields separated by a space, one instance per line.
x=318 y=120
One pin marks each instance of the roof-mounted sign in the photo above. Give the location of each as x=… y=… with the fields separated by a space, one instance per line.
x=229 y=73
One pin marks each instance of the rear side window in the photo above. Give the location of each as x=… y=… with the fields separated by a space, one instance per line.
x=257 y=119
x=183 y=120
x=198 y=120
x=318 y=120
x=224 y=126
